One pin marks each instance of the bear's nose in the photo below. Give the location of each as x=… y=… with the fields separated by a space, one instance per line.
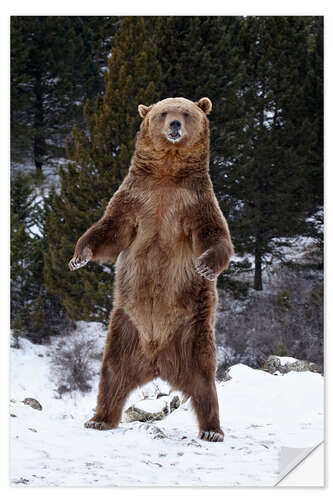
x=175 y=124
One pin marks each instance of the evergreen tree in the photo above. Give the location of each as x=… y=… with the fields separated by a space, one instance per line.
x=267 y=181
x=34 y=313
x=54 y=69
x=313 y=81
x=99 y=159
x=200 y=57
x=23 y=218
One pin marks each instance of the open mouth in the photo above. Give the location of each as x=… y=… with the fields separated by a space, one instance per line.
x=174 y=135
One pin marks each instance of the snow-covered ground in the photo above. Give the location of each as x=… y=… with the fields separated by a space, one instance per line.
x=260 y=413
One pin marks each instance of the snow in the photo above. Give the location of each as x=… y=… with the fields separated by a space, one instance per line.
x=300 y=248
x=260 y=413
x=284 y=360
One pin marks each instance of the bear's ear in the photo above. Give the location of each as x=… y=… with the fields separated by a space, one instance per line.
x=205 y=104
x=143 y=110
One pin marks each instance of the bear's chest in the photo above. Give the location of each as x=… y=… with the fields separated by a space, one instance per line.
x=163 y=212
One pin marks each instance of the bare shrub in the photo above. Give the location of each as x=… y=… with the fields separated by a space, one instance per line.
x=285 y=319
x=71 y=363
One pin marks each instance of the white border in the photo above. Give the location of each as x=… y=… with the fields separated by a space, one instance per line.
x=182 y=7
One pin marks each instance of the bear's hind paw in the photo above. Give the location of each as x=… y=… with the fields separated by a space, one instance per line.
x=99 y=426
x=211 y=436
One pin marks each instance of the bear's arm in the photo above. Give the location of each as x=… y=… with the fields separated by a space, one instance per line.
x=112 y=234
x=211 y=239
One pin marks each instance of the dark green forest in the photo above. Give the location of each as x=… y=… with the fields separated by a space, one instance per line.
x=76 y=83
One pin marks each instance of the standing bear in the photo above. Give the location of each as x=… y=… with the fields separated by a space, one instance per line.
x=170 y=241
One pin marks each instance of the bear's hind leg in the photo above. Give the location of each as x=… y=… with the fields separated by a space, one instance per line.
x=202 y=390
x=124 y=368
x=189 y=364
x=205 y=404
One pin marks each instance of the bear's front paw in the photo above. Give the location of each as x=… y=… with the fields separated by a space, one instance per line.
x=204 y=269
x=80 y=260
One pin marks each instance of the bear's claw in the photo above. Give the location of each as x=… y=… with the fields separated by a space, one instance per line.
x=211 y=436
x=77 y=262
x=205 y=271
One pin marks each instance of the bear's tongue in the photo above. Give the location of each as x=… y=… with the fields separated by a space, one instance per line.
x=174 y=135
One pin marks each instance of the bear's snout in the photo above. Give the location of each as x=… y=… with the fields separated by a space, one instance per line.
x=174 y=132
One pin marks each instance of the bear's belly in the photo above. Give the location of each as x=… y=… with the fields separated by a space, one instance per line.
x=152 y=283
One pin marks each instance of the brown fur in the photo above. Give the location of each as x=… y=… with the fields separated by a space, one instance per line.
x=170 y=241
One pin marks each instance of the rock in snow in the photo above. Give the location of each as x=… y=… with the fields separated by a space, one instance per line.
x=33 y=403
x=149 y=410
x=285 y=364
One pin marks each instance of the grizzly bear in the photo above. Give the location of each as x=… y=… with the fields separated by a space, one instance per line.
x=170 y=241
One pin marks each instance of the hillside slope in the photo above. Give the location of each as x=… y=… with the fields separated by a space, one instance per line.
x=259 y=413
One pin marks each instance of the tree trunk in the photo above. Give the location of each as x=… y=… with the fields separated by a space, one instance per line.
x=39 y=141
x=258 y=266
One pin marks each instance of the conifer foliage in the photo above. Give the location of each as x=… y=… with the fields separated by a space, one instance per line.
x=25 y=267
x=99 y=159
x=55 y=67
x=200 y=57
x=267 y=181
x=34 y=312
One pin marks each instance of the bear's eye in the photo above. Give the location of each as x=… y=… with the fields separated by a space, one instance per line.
x=186 y=115
x=163 y=115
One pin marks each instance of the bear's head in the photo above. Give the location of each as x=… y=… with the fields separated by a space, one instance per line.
x=175 y=122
